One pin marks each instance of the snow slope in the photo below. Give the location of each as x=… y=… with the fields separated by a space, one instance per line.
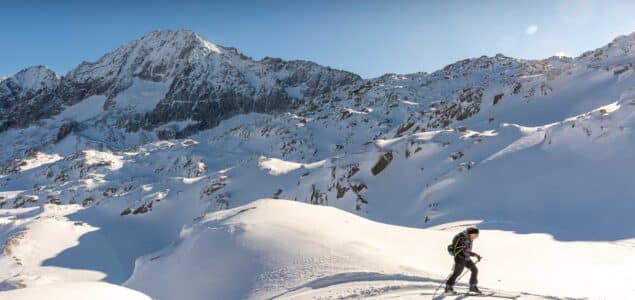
x=290 y=250
x=75 y=291
x=30 y=236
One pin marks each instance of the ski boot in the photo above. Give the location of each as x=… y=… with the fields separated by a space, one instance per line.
x=474 y=289
x=449 y=290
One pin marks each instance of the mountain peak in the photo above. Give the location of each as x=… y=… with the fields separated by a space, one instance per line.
x=27 y=82
x=36 y=75
x=181 y=37
x=152 y=55
x=620 y=50
x=157 y=56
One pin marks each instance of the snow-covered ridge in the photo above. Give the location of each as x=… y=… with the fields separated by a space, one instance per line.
x=618 y=51
x=157 y=56
x=200 y=81
x=206 y=83
x=28 y=83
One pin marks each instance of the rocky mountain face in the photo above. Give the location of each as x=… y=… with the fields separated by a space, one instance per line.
x=28 y=95
x=209 y=91
x=201 y=84
x=206 y=83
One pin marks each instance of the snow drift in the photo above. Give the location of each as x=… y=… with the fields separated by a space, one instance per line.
x=289 y=250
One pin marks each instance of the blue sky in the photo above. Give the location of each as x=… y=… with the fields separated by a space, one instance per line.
x=366 y=37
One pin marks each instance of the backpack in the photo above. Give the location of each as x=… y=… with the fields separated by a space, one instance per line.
x=455 y=245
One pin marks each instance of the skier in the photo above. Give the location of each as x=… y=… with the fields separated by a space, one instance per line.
x=461 y=248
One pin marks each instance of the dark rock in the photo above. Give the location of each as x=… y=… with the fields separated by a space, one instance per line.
x=66 y=129
x=456 y=155
x=341 y=190
x=403 y=128
x=497 y=98
x=382 y=163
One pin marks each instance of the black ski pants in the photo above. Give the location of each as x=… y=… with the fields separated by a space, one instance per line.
x=459 y=264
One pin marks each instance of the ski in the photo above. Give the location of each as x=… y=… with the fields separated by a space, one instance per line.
x=489 y=294
x=472 y=294
x=502 y=294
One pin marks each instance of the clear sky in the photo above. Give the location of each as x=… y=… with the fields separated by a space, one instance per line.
x=366 y=37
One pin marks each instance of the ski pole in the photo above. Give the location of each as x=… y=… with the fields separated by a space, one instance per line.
x=443 y=282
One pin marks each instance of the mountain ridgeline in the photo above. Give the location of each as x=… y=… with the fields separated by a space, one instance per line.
x=203 y=83
x=206 y=83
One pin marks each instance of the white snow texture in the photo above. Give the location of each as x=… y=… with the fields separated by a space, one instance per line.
x=354 y=193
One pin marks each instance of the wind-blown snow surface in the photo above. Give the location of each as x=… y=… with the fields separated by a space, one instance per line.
x=76 y=291
x=538 y=153
x=289 y=250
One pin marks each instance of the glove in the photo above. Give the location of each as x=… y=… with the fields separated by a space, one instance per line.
x=478 y=257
